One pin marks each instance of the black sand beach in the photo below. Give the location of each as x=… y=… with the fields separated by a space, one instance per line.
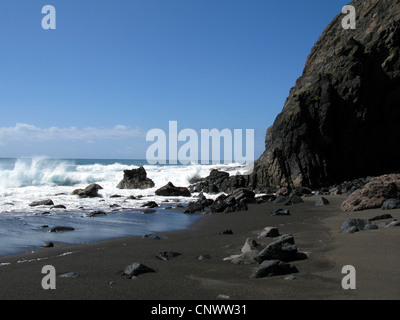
x=373 y=253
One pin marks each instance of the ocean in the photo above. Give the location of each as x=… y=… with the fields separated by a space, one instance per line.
x=24 y=228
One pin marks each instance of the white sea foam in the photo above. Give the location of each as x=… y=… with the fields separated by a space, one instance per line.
x=23 y=181
x=29 y=180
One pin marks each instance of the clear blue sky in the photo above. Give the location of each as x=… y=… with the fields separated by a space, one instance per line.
x=114 y=69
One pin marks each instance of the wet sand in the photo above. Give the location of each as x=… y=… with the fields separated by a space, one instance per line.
x=373 y=253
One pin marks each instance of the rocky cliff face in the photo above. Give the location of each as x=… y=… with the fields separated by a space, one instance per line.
x=341 y=119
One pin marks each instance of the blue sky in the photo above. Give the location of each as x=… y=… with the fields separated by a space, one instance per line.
x=115 y=69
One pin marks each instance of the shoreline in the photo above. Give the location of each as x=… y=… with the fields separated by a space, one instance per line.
x=316 y=231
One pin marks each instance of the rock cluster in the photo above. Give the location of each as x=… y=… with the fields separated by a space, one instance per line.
x=356 y=225
x=233 y=202
x=273 y=259
x=219 y=181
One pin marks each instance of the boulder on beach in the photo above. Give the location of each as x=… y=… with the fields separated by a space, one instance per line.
x=280 y=212
x=47 y=202
x=136 y=269
x=227 y=204
x=391 y=204
x=293 y=199
x=269 y=232
x=70 y=275
x=236 y=201
x=321 y=202
x=91 y=191
x=394 y=223
x=199 y=205
x=270 y=268
x=284 y=249
x=248 y=252
x=355 y=225
x=250 y=245
x=264 y=198
x=151 y=236
x=135 y=179
x=169 y=190
x=381 y=217
x=374 y=194
x=167 y=255
x=244 y=194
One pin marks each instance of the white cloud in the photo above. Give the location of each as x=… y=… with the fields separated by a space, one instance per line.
x=22 y=132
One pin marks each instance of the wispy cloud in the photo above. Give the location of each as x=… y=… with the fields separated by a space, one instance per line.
x=22 y=132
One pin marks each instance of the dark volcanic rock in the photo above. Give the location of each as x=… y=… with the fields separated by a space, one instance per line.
x=151 y=236
x=228 y=204
x=91 y=191
x=381 y=217
x=136 y=269
x=167 y=255
x=61 y=229
x=281 y=199
x=265 y=198
x=135 y=179
x=272 y=268
x=228 y=231
x=59 y=206
x=150 y=204
x=269 y=232
x=219 y=181
x=169 y=190
x=70 y=275
x=280 y=212
x=355 y=225
x=293 y=199
x=244 y=194
x=391 y=204
x=283 y=249
x=97 y=213
x=321 y=202
x=148 y=211
x=42 y=203
x=341 y=117
x=199 y=205
x=47 y=245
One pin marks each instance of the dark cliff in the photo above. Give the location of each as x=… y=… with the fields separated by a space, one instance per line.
x=341 y=119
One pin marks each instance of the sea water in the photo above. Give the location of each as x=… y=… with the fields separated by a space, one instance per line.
x=24 y=228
